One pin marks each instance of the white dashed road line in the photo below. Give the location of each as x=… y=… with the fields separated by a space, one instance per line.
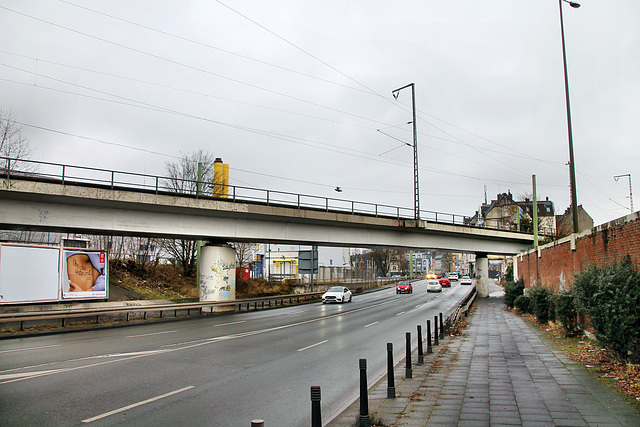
x=135 y=405
x=313 y=345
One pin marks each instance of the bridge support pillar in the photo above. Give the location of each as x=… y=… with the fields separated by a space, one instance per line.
x=217 y=281
x=482 y=275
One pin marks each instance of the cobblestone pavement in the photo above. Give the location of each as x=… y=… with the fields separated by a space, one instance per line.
x=501 y=372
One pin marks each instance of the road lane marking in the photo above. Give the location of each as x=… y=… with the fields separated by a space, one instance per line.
x=148 y=335
x=30 y=348
x=370 y=324
x=19 y=376
x=135 y=405
x=295 y=312
x=185 y=345
x=313 y=345
x=401 y=313
x=115 y=357
x=231 y=323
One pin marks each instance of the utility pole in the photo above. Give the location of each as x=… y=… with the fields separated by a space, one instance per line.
x=572 y=163
x=534 y=212
x=198 y=242
x=416 y=192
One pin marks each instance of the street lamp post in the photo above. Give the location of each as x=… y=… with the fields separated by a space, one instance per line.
x=416 y=192
x=572 y=165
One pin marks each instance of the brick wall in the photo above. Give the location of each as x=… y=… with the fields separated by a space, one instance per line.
x=555 y=264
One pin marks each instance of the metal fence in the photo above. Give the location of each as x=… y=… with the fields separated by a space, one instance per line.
x=132 y=181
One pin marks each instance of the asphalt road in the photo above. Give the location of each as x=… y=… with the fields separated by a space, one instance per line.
x=219 y=371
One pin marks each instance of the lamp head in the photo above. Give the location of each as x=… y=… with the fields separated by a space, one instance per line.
x=572 y=4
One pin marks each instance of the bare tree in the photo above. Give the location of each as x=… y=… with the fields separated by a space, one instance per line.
x=14 y=147
x=244 y=252
x=449 y=262
x=183 y=178
x=402 y=258
x=382 y=259
x=183 y=174
x=183 y=253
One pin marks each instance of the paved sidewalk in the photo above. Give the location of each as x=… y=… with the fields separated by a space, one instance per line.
x=500 y=373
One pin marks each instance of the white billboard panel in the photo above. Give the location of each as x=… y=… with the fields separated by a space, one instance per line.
x=29 y=274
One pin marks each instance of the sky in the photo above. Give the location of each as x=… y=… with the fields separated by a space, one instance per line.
x=297 y=96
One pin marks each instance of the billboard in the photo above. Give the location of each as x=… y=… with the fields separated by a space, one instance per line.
x=84 y=274
x=32 y=273
x=29 y=273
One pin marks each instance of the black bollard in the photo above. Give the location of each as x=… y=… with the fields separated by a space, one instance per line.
x=441 y=327
x=420 y=350
x=435 y=331
x=429 y=349
x=364 y=397
x=257 y=423
x=316 y=416
x=391 y=387
x=408 y=370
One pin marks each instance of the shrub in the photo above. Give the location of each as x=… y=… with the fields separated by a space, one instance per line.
x=610 y=297
x=507 y=277
x=541 y=303
x=513 y=290
x=522 y=303
x=566 y=313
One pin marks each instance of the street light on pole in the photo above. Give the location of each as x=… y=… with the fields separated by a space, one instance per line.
x=416 y=191
x=572 y=165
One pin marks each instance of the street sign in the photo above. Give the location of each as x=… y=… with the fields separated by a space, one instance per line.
x=308 y=260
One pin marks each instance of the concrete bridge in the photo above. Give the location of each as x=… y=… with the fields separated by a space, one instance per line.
x=53 y=205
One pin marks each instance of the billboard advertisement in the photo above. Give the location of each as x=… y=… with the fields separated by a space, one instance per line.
x=34 y=273
x=29 y=273
x=83 y=274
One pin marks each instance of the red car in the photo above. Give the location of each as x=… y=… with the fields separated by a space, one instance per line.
x=444 y=282
x=404 y=288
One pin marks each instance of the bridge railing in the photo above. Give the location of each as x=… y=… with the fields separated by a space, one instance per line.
x=82 y=175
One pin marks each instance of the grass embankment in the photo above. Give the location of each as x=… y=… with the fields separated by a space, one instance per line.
x=153 y=281
x=165 y=282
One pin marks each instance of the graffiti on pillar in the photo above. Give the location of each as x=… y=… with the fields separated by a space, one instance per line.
x=217 y=282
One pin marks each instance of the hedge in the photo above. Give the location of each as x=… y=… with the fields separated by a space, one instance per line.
x=610 y=297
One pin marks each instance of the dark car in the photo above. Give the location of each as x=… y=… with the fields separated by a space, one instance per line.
x=404 y=288
x=444 y=282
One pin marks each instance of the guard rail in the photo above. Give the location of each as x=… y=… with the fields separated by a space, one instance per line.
x=462 y=308
x=63 y=315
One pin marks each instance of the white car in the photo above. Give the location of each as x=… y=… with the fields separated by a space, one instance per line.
x=434 y=286
x=466 y=280
x=337 y=294
x=453 y=276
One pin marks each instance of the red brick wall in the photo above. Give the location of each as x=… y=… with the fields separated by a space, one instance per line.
x=602 y=245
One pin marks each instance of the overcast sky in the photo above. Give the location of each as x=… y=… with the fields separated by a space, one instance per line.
x=296 y=95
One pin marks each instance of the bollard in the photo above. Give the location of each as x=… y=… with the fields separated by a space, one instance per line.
x=441 y=327
x=391 y=384
x=420 y=350
x=257 y=423
x=435 y=331
x=316 y=416
x=408 y=371
x=364 y=398
x=429 y=349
